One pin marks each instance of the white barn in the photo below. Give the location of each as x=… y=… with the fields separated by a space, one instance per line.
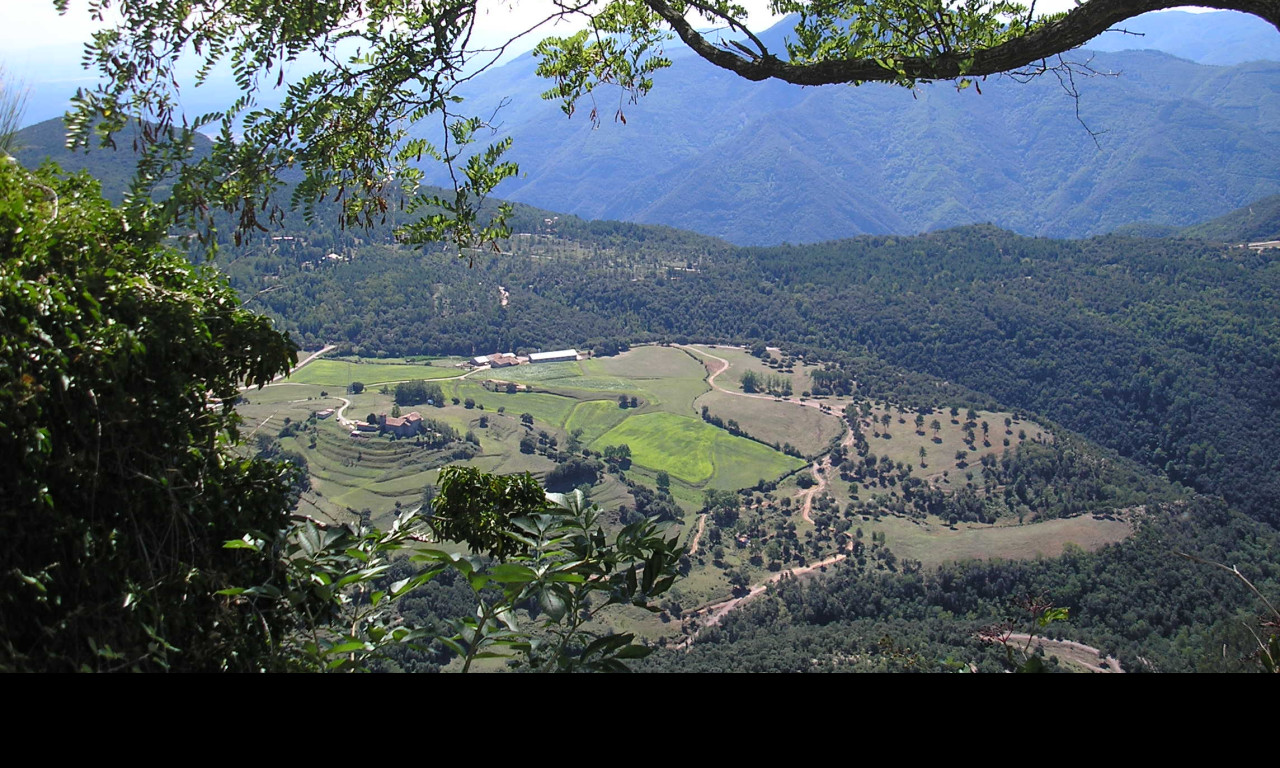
x=558 y=356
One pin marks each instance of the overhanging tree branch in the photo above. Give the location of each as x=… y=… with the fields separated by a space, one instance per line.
x=1043 y=41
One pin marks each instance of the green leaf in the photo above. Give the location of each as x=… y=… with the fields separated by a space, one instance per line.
x=512 y=572
x=552 y=604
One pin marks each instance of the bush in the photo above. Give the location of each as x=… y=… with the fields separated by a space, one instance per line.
x=120 y=487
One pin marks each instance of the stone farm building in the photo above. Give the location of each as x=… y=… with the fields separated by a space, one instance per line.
x=499 y=360
x=403 y=426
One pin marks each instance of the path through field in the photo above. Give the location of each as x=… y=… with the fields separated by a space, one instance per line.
x=716 y=612
x=724 y=366
x=702 y=524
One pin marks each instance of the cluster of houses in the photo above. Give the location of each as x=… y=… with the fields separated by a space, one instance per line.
x=505 y=359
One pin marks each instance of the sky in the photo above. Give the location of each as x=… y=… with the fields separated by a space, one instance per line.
x=502 y=18
x=38 y=46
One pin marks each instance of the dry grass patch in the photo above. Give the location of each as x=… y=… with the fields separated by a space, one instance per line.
x=934 y=544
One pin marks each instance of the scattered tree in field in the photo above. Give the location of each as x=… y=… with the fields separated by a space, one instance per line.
x=619 y=455
x=419 y=392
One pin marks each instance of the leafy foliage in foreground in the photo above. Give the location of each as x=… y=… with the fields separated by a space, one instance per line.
x=557 y=570
x=119 y=487
x=123 y=509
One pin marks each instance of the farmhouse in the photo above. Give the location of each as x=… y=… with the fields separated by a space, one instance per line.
x=403 y=426
x=559 y=356
x=496 y=360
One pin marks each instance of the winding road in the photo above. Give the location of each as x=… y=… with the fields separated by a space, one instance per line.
x=716 y=612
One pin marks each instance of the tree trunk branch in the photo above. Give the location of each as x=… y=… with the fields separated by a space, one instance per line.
x=1073 y=30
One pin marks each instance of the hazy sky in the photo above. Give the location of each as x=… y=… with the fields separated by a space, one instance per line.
x=42 y=49
x=34 y=24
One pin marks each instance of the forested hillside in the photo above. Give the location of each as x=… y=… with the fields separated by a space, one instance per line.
x=1137 y=601
x=1167 y=350
x=1255 y=222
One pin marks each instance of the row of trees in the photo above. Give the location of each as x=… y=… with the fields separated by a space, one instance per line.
x=771 y=383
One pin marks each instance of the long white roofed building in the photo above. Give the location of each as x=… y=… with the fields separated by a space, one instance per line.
x=558 y=356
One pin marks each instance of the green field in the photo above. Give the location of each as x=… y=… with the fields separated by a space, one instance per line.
x=772 y=421
x=692 y=450
x=594 y=418
x=337 y=373
x=936 y=544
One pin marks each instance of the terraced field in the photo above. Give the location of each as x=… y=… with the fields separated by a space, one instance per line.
x=771 y=421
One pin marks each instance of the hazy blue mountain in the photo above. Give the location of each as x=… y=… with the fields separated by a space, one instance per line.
x=1257 y=221
x=761 y=163
x=114 y=168
x=1221 y=37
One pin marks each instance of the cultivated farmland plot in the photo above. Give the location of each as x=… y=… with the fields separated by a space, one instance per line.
x=748 y=510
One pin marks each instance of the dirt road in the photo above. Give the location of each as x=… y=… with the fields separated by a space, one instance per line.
x=716 y=612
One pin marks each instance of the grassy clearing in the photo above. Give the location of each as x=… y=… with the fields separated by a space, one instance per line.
x=647 y=362
x=740 y=463
x=901 y=441
x=741 y=361
x=594 y=418
x=540 y=372
x=936 y=544
x=669 y=378
x=693 y=451
x=774 y=421
x=680 y=445
x=545 y=407
x=337 y=373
